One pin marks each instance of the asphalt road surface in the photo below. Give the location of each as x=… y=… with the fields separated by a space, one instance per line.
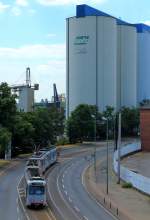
x=8 y=192
x=68 y=197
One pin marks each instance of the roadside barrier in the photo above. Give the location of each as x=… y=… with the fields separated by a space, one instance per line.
x=138 y=181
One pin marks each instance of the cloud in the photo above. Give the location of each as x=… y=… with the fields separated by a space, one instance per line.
x=52 y=72
x=47 y=63
x=37 y=51
x=50 y=35
x=3 y=7
x=147 y=22
x=22 y=3
x=31 y=11
x=67 y=2
x=16 y=11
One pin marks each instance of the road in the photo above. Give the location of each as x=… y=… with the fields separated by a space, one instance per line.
x=8 y=192
x=68 y=197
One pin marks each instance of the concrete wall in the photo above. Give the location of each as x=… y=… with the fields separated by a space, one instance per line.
x=127 y=66
x=138 y=181
x=143 y=66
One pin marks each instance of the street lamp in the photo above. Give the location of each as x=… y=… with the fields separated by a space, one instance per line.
x=95 y=125
x=106 y=119
x=119 y=145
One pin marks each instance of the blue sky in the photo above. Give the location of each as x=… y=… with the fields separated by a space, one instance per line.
x=32 y=34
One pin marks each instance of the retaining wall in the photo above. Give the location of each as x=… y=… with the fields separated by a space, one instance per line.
x=138 y=181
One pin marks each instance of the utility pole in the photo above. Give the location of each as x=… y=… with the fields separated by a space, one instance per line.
x=119 y=145
x=107 y=156
x=95 y=146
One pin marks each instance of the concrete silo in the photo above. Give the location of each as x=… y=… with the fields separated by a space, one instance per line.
x=81 y=61
x=143 y=62
x=91 y=61
x=106 y=62
x=127 y=66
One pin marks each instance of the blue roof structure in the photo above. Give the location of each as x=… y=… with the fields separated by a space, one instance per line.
x=142 y=28
x=85 y=10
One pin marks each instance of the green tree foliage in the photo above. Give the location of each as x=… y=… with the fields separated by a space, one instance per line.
x=130 y=121
x=23 y=132
x=38 y=128
x=5 y=137
x=80 y=124
x=7 y=106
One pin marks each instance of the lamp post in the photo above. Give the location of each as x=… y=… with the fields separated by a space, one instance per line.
x=95 y=125
x=119 y=145
x=107 y=154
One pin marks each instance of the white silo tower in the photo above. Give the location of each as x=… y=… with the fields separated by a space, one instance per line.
x=91 y=61
x=127 y=66
x=143 y=65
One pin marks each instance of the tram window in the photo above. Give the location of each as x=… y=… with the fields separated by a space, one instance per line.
x=36 y=190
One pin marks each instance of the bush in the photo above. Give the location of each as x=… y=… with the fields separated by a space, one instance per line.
x=127 y=185
x=63 y=141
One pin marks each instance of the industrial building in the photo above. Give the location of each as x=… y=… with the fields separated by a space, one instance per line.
x=25 y=93
x=107 y=60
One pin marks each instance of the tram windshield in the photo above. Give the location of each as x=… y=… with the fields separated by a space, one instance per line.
x=36 y=190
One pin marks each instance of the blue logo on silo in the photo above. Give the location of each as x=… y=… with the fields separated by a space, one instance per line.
x=81 y=40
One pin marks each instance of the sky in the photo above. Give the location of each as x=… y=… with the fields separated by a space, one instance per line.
x=32 y=33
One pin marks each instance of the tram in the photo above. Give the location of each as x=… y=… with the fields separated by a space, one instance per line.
x=34 y=183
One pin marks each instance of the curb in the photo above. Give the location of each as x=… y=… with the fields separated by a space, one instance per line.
x=102 y=205
x=102 y=199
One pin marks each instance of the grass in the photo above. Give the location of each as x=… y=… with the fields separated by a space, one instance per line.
x=127 y=185
x=21 y=156
x=4 y=163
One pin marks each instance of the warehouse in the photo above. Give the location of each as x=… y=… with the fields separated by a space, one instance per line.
x=105 y=63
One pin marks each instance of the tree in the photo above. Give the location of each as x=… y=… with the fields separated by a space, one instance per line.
x=5 y=137
x=47 y=124
x=130 y=121
x=7 y=107
x=23 y=132
x=80 y=124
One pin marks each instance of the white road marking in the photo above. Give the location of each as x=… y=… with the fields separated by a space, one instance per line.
x=48 y=216
x=21 y=189
x=85 y=217
x=51 y=213
x=76 y=208
x=92 y=197
x=63 y=186
x=70 y=200
x=61 y=195
x=66 y=192
x=21 y=203
x=58 y=209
